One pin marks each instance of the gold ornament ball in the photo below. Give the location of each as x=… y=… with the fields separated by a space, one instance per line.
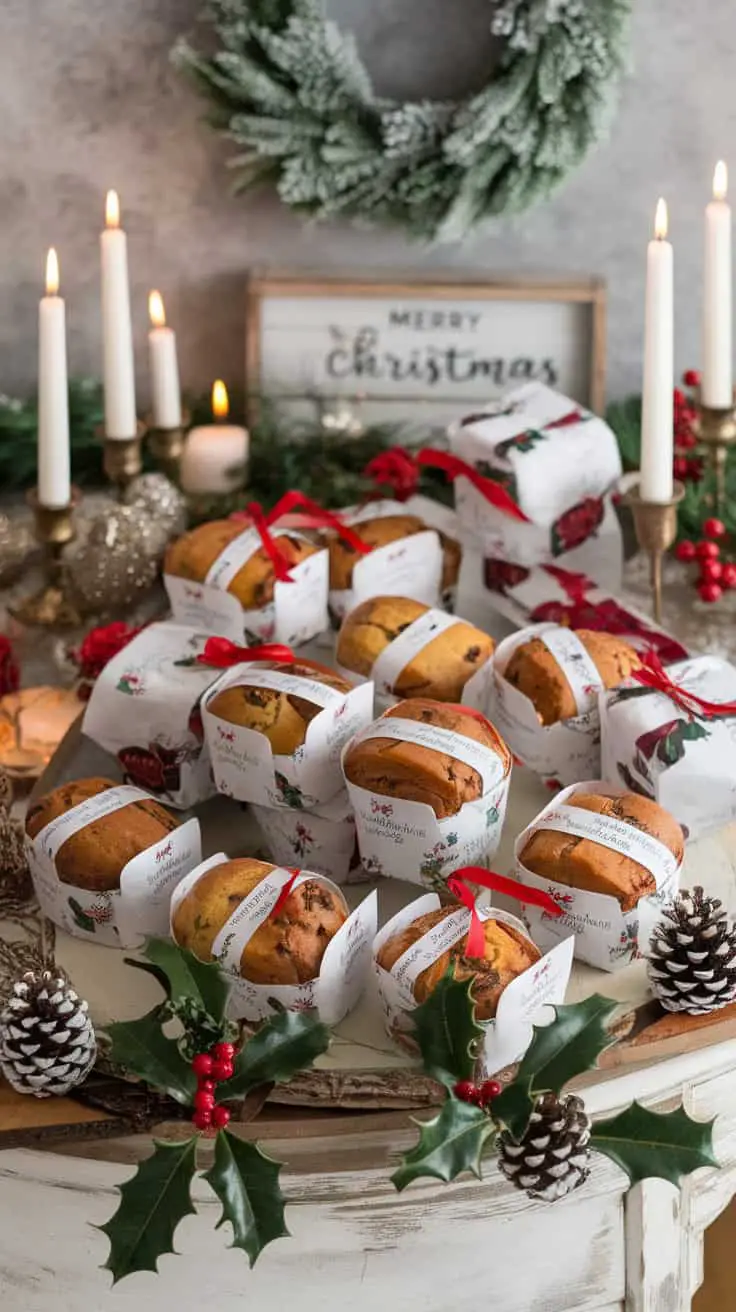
x=156 y=494
x=118 y=561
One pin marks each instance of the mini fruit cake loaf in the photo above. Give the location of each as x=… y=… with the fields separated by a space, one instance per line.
x=440 y=670
x=585 y=864
x=194 y=554
x=535 y=672
x=379 y=532
x=95 y=856
x=282 y=717
x=287 y=948
x=507 y=953
x=416 y=773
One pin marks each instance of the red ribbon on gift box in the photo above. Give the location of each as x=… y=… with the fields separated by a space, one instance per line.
x=491 y=491
x=458 y=886
x=396 y=469
x=222 y=653
x=315 y=517
x=653 y=675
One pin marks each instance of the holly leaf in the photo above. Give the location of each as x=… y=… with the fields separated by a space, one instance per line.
x=449 y=1144
x=557 y=1053
x=247 y=1184
x=181 y=974
x=151 y=1206
x=667 y=1145
x=287 y=1043
x=447 y=1031
x=142 y=1048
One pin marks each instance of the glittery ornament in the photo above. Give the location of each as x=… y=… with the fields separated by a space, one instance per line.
x=161 y=499
x=118 y=561
x=6 y=799
x=17 y=543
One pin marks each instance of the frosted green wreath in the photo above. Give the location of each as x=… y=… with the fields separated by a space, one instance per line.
x=291 y=91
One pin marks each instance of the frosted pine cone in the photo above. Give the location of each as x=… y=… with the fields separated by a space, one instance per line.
x=692 y=955
x=47 y=1043
x=552 y=1157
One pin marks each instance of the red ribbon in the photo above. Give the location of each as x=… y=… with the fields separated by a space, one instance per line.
x=454 y=467
x=396 y=469
x=653 y=675
x=261 y=524
x=458 y=886
x=319 y=518
x=222 y=653
x=572 y=417
x=283 y=895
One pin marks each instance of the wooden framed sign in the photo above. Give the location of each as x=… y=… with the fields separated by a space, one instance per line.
x=421 y=351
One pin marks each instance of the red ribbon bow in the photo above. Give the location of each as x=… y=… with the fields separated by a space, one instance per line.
x=283 y=895
x=458 y=886
x=653 y=675
x=222 y=653
x=396 y=469
x=316 y=517
x=454 y=467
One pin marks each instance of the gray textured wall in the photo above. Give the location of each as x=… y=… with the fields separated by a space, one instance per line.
x=89 y=100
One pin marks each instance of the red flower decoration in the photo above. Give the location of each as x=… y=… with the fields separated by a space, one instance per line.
x=577 y=525
x=100 y=645
x=9 y=671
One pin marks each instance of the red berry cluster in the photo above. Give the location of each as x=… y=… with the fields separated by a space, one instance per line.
x=714 y=575
x=211 y=1068
x=685 y=466
x=480 y=1094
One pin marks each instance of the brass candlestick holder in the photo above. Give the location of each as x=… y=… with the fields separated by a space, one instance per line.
x=122 y=460
x=715 y=429
x=656 y=529
x=166 y=445
x=54 y=530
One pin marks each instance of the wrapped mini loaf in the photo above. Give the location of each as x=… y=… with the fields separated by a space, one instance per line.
x=429 y=784
x=219 y=576
x=544 y=697
x=105 y=857
x=285 y=938
x=275 y=731
x=411 y=650
x=611 y=860
x=406 y=558
x=511 y=982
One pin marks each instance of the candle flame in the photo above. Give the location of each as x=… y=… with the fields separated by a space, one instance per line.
x=112 y=210
x=660 y=220
x=720 y=181
x=52 y=273
x=156 y=311
x=220 y=402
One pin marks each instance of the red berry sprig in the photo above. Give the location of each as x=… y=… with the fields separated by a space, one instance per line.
x=478 y=1094
x=212 y=1068
x=715 y=575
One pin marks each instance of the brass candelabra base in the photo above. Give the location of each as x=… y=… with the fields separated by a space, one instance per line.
x=122 y=460
x=656 y=529
x=715 y=429
x=166 y=446
x=49 y=607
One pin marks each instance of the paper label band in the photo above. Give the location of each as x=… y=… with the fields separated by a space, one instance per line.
x=294 y=685
x=234 y=556
x=53 y=835
x=254 y=909
x=613 y=834
x=396 y=656
x=576 y=664
x=472 y=753
x=430 y=947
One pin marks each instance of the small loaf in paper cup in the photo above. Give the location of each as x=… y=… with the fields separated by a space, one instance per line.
x=611 y=860
x=284 y=938
x=275 y=732
x=414 y=951
x=544 y=697
x=409 y=650
x=429 y=784
x=405 y=558
x=325 y=842
x=104 y=859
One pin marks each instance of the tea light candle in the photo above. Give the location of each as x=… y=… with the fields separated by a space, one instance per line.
x=117 y=330
x=215 y=454
x=657 y=403
x=165 y=390
x=54 y=483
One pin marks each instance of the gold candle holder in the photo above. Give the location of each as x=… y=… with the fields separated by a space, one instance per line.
x=122 y=459
x=54 y=530
x=715 y=429
x=166 y=445
x=656 y=529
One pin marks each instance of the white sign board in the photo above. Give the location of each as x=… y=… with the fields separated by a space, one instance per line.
x=423 y=352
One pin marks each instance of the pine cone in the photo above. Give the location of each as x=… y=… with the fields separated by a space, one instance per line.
x=692 y=955
x=551 y=1158
x=47 y=1043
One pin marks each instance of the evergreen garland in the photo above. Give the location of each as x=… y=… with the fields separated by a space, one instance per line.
x=290 y=90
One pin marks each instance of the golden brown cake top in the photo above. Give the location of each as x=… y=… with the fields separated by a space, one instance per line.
x=376 y=532
x=536 y=672
x=286 y=948
x=281 y=715
x=193 y=555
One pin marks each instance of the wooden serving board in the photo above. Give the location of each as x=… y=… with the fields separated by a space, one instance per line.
x=364 y=1068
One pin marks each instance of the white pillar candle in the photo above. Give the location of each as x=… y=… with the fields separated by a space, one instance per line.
x=117 y=329
x=54 y=484
x=717 y=378
x=165 y=390
x=214 y=455
x=657 y=402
